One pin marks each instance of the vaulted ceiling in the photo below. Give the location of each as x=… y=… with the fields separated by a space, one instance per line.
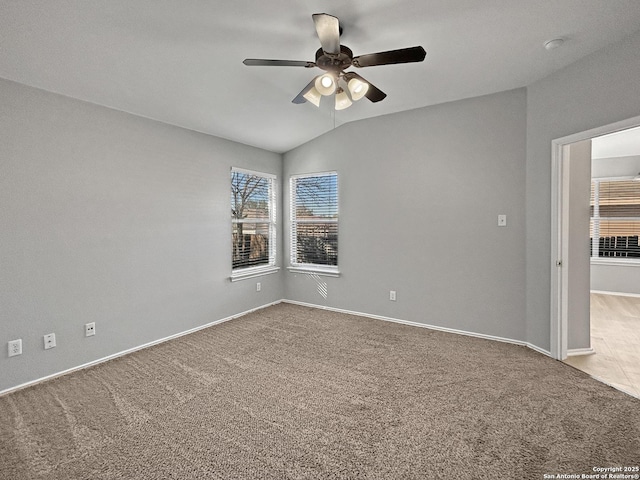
x=181 y=62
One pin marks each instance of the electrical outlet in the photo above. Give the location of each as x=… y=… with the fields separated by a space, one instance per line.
x=49 y=341
x=15 y=347
x=89 y=329
x=258 y=287
x=392 y=295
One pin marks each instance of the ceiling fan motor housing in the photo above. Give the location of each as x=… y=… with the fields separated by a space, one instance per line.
x=334 y=62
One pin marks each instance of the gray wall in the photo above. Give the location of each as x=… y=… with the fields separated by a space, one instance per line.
x=115 y=219
x=616 y=278
x=598 y=90
x=420 y=192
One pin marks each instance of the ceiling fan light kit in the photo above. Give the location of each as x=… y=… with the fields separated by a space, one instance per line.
x=342 y=99
x=313 y=96
x=325 y=84
x=335 y=58
x=357 y=88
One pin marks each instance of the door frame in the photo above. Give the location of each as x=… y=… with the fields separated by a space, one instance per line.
x=560 y=213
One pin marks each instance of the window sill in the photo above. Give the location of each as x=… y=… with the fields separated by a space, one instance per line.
x=252 y=272
x=618 y=262
x=326 y=272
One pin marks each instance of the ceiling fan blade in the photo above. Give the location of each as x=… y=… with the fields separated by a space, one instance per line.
x=258 y=62
x=374 y=94
x=328 y=29
x=300 y=98
x=403 y=55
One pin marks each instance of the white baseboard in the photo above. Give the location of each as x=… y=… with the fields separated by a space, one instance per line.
x=216 y=322
x=424 y=325
x=617 y=294
x=574 y=352
x=131 y=350
x=538 y=349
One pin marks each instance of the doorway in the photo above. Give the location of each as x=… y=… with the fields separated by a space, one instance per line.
x=588 y=303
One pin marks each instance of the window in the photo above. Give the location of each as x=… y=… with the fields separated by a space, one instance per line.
x=615 y=218
x=253 y=219
x=314 y=222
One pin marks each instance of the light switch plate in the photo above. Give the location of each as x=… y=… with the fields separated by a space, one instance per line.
x=502 y=220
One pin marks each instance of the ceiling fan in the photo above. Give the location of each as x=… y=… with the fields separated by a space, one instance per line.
x=335 y=58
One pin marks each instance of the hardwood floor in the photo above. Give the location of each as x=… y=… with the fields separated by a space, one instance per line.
x=615 y=336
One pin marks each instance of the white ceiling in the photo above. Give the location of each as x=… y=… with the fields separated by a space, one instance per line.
x=180 y=62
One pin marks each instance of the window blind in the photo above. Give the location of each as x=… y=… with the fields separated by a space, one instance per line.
x=615 y=218
x=314 y=219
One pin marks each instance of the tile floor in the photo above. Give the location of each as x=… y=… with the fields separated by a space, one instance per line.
x=615 y=336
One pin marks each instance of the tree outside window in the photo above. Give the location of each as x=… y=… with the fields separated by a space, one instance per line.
x=253 y=219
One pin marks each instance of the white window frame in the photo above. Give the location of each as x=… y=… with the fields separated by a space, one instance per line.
x=326 y=270
x=242 y=273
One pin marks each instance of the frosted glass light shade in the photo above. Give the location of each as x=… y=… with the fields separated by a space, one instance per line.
x=313 y=96
x=357 y=88
x=325 y=84
x=342 y=100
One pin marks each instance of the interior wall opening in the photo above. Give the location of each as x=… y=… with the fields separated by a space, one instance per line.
x=597 y=175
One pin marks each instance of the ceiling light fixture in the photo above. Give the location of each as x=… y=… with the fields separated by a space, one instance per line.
x=325 y=84
x=347 y=88
x=357 y=88
x=342 y=99
x=554 y=43
x=313 y=96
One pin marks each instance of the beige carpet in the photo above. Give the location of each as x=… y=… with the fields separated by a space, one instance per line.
x=296 y=393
